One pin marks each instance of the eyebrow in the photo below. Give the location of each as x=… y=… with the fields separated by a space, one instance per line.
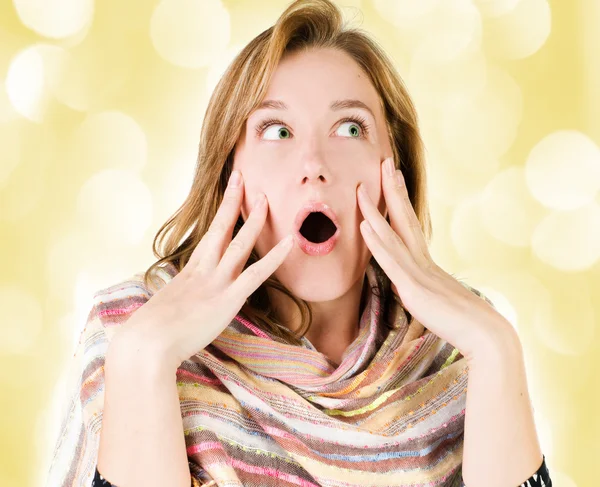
x=335 y=105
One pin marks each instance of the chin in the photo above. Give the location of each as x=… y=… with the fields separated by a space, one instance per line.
x=318 y=279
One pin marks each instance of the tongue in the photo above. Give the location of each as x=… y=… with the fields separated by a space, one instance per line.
x=317 y=228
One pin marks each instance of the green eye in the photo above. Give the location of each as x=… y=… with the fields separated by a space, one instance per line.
x=357 y=121
x=283 y=130
x=355 y=129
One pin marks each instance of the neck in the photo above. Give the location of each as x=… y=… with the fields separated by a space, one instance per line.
x=335 y=323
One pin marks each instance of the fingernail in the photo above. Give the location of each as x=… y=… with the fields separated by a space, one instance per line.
x=362 y=189
x=235 y=178
x=367 y=226
x=389 y=166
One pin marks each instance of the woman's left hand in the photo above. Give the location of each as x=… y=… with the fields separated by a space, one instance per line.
x=436 y=299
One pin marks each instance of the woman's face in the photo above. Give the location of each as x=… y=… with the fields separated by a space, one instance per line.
x=312 y=154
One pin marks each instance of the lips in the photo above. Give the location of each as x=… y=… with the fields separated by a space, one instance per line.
x=311 y=207
x=320 y=247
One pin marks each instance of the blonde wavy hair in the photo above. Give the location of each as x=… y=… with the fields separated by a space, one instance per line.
x=304 y=25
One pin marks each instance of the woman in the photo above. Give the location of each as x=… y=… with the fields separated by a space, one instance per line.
x=340 y=358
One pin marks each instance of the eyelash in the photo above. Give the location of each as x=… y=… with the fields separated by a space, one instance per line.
x=357 y=119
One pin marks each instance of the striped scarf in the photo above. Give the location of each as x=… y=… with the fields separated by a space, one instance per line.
x=260 y=412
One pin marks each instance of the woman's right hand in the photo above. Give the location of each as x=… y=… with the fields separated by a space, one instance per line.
x=193 y=308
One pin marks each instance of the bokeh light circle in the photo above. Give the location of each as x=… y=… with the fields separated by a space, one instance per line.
x=486 y=124
x=563 y=170
x=453 y=27
x=508 y=211
x=109 y=139
x=521 y=32
x=565 y=322
x=116 y=206
x=55 y=18
x=569 y=240
x=495 y=8
x=188 y=33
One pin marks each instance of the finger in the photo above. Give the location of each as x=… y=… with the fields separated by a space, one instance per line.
x=240 y=247
x=207 y=254
x=397 y=265
x=377 y=220
x=403 y=219
x=249 y=280
x=388 y=240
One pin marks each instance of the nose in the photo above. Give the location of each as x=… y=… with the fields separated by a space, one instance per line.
x=314 y=171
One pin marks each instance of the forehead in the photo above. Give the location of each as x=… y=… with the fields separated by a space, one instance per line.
x=320 y=79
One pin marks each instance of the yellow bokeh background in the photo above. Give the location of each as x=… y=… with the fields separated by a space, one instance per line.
x=101 y=105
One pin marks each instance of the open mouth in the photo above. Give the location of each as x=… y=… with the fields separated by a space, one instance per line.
x=317 y=227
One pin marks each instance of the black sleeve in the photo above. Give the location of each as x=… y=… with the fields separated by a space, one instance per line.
x=100 y=481
x=541 y=478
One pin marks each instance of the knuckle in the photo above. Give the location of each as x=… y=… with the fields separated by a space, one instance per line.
x=237 y=245
x=202 y=270
x=211 y=232
x=430 y=266
x=217 y=228
x=230 y=197
x=392 y=238
x=414 y=224
x=254 y=273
